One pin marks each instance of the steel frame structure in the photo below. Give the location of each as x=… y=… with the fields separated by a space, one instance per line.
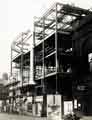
x=20 y=65
x=20 y=46
x=59 y=19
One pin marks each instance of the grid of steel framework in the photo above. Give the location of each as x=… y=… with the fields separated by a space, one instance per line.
x=52 y=54
x=53 y=41
x=20 y=63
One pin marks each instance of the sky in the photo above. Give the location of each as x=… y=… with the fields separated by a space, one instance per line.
x=16 y=16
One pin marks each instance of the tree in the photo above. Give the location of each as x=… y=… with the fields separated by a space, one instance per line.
x=5 y=76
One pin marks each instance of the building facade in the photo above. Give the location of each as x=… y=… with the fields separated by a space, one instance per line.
x=4 y=92
x=82 y=67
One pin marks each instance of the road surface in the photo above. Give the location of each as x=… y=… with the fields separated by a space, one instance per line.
x=5 y=116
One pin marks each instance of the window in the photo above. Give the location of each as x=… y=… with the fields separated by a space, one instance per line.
x=29 y=107
x=90 y=61
x=68 y=107
x=75 y=104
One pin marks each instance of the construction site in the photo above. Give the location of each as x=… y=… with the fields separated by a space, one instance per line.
x=51 y=67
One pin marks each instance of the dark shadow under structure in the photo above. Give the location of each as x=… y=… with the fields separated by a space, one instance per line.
x=82 y=64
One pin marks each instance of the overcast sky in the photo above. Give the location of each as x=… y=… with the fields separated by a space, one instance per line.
x=16 y=16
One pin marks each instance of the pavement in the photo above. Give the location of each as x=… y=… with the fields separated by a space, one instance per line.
x=87 y=118
x=6 y=116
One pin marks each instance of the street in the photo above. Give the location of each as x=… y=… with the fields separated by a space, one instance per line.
x=5 y=116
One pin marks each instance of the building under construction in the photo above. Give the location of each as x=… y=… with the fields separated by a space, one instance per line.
x=57 y=66
x=19 y=85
